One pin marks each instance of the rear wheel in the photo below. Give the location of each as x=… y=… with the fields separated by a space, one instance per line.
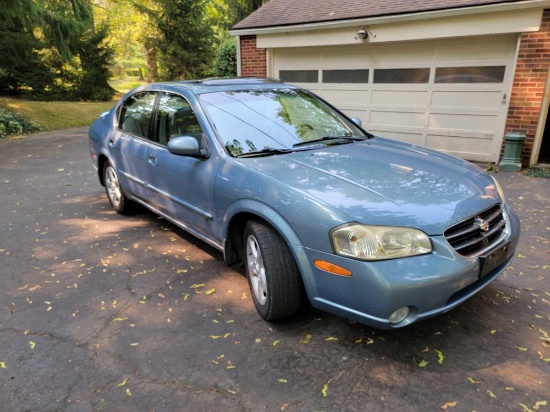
x=272 y=273
x=116 y=196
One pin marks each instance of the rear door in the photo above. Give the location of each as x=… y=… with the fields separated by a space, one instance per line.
x=129 y=145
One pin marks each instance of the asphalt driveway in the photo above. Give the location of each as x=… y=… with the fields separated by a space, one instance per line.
x=107 y=312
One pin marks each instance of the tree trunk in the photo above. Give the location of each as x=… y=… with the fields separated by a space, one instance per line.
x=151 y=57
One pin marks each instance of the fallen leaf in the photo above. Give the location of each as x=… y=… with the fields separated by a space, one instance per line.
x=128 y=392
x=325 y=390
x=276 y=342
x=491 y=394
x=123 y=382
x=197 y=285
x=521 y=349
x=525 y=408
x=283 y=380
x=448 y=405
x=330 y=339
x=32 y=344
x=472 y=380
x=539 y=404
x=210 y=292
x=306 y=340
x=440 y=356
x=422 y=364
x=3 y=365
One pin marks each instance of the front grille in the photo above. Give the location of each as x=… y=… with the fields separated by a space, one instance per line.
x=469 y=240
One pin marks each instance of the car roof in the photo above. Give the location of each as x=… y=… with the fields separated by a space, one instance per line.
x=213 y=85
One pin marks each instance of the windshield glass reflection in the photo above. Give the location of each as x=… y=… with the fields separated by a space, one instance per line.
x=254 y=120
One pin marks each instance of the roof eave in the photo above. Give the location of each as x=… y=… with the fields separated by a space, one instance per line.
x=367 y=21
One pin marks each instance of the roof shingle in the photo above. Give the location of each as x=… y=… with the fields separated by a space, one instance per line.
x=290 y=12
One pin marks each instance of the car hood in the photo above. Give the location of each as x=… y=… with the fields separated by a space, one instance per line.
x=382 y=182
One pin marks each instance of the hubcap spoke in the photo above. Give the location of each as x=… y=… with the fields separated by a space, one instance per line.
x=256 y=270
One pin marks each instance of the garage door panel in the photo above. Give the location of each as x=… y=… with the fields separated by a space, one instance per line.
x=403 y=54
x=412 y=98
x=465 y=147
x=413 y=138
x=394 y=118
x=467 y=99
x=292 y=58
x=488 y=49
x=361 y=114
x=341 y=98
x=481 y=123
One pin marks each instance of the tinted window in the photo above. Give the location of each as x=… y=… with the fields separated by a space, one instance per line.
x=299 y=76
x=481 y=74
x=390 y=76
x=136 y=113
x=253 y=120
x=346 y=76
x=176 y=118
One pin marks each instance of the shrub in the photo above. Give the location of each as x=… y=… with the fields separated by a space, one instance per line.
x=226 y=59
x=15 y=124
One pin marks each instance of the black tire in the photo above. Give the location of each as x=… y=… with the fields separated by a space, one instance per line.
x=273 y=276
x=118 y=200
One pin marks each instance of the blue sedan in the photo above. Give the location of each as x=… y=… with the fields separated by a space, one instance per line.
x=377 y=231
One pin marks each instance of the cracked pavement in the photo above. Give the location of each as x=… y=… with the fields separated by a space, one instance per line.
x=122 y=313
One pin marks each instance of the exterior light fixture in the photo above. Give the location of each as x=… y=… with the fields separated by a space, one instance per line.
x=362 y=34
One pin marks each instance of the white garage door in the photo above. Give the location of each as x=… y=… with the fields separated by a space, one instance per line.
x=450 y=95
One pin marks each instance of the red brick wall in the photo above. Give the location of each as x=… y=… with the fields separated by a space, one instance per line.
x=529 y=84
x=253 y=60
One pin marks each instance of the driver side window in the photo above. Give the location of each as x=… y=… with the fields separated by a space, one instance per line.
x=176 y=118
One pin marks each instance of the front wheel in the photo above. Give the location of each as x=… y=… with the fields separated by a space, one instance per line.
x=272 y=273
x=116 y=196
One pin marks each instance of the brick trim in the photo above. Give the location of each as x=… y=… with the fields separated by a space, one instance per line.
x=253 y=60
x=529 y=85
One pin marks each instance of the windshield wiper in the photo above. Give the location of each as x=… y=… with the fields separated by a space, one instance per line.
x=331 y=140
x=265 y=152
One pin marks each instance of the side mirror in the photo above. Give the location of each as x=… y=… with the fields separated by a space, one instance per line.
x=357 y=121
x=184 y=146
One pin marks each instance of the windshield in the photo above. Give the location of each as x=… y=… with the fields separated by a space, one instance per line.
x=258 y=120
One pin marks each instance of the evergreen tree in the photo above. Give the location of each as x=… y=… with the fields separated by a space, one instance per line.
x=50 y=49
x=184 y=47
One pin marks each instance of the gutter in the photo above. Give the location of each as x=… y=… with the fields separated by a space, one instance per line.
x=369 y=21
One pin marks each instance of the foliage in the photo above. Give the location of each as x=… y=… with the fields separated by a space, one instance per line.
x=538 y=172
x=184 y=44
x=226 y=59
x=52 y=50
x=15 y=124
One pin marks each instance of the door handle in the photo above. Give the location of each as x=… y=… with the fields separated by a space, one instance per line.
x=152 y=160
x=111 y=143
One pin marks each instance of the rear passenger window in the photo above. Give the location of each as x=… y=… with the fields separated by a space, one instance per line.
x=136 y=113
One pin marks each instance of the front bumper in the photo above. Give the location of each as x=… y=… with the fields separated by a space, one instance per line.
x=429 y=284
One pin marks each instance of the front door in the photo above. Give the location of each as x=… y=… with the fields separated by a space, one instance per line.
x=183 y=185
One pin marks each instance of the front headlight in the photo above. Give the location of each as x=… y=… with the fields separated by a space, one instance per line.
x=379 y=242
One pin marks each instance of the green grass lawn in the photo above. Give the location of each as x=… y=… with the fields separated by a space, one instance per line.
x=57 y=115
x=64 y=115
x=124 y=85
